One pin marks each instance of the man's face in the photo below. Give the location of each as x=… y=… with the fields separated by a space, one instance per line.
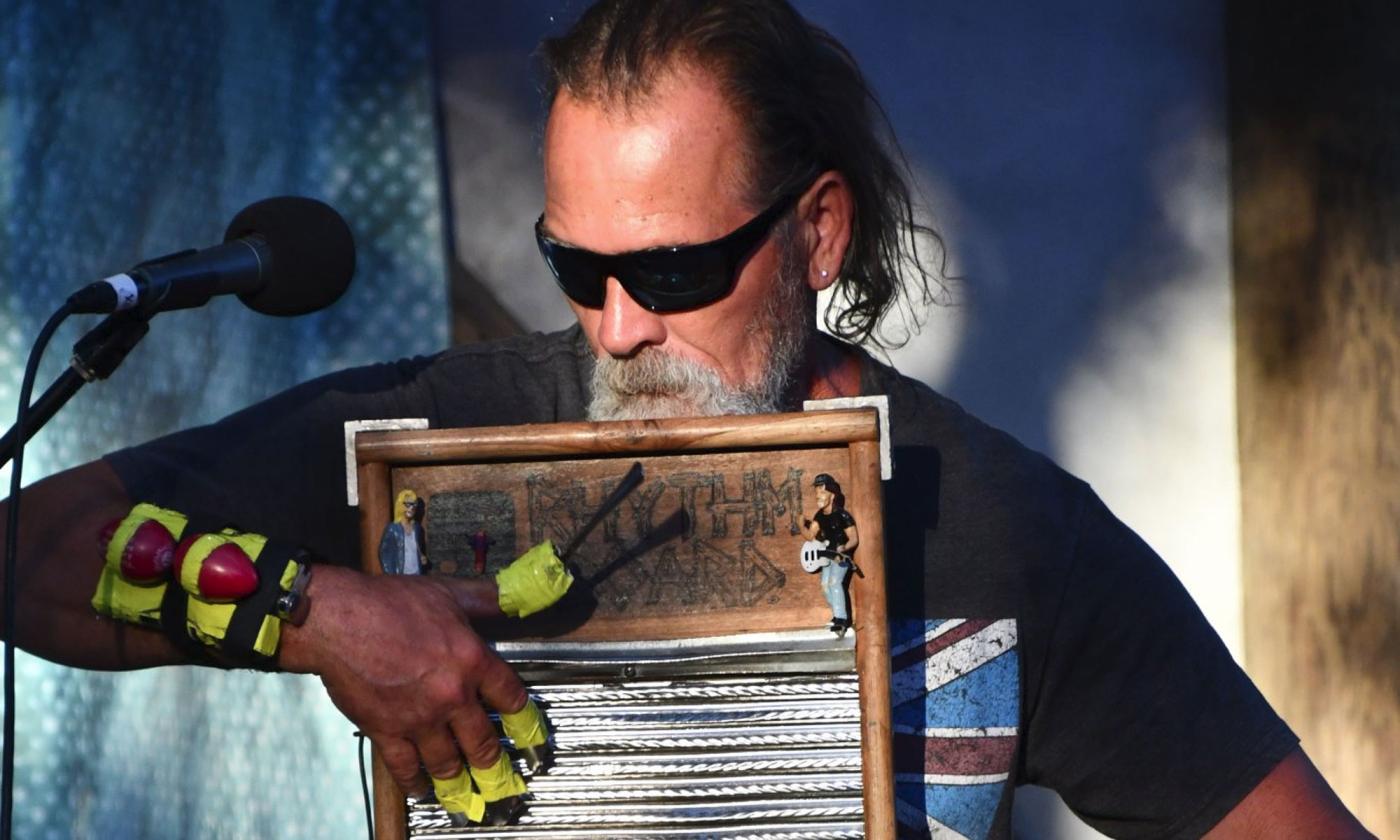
x=824 y=497
x=671 y=172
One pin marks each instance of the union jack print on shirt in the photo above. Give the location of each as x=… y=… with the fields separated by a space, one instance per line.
x=955 y=711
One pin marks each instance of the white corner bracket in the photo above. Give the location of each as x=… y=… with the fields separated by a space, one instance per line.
x=354 y=427
x=879 y=402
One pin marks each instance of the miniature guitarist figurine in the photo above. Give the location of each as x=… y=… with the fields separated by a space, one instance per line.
x=833 y=530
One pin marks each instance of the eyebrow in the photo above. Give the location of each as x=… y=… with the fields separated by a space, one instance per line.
x=544 y=228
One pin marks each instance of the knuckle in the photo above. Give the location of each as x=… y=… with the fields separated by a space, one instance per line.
x=469 y=653
x=443 y=692
x=444 y=767
x=514 y=697
x=401 y=760
x=481 y=747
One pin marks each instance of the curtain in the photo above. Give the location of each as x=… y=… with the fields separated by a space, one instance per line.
x=129 y=130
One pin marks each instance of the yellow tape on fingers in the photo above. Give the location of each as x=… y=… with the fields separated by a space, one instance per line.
x=499 y=780
x=533 y=582
x=525 y=728
x=458 y=796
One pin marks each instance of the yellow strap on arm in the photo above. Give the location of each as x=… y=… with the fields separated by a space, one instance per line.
x=247 y=631
x=115 y=595
x=208 y=622
x=533 y=582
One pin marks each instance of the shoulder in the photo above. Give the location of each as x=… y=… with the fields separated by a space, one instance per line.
x=566 y=347
x=976 y=523
x=540 y=377
x=1005 y=534
x=972 y=481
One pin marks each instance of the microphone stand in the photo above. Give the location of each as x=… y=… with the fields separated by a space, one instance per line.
x=95 y=356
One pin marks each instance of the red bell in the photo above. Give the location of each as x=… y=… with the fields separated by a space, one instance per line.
x=148 y=553
x=227 y=574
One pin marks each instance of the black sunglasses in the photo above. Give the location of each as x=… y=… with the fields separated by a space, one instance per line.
x=661 y=279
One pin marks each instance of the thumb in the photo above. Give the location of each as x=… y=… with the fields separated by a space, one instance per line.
x=477 y=598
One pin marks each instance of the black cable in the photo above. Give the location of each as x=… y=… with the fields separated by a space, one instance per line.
x=364 y=786
x=26 y=388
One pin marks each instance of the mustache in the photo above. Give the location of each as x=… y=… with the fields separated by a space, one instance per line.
x=653 y=372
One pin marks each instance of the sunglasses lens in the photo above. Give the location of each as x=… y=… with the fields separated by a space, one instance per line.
x=670 y=281
x=577 y=272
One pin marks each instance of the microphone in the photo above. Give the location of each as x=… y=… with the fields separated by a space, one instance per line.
x=281 y=256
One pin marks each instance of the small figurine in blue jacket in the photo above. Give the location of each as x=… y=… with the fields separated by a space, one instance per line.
x=403 y=549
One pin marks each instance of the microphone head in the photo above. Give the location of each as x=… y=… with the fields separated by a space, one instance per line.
x=312 y=253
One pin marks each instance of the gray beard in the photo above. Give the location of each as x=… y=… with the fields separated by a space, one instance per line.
x=655 y=384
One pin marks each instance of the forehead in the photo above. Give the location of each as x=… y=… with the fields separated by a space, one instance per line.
x=665 y=170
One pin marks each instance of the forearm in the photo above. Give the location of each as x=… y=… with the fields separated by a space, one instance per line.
x=397 y=654
x=347 y=614
x=1293 y=801
x=57 y=570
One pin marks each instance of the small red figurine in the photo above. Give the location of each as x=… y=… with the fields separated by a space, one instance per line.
x=480 y=542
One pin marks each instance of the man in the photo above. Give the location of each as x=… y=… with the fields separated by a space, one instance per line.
x=709 y=167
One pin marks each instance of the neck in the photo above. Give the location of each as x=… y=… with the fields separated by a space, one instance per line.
x=832 y=369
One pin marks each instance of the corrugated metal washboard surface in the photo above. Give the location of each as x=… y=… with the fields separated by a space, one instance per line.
x=746 y=737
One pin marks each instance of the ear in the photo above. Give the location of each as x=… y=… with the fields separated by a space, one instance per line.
x=827 y=212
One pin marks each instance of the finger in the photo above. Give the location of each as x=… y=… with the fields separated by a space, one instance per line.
x=459 y=798
x=491 y=768
x=401 y=760
x=502 y=788
x=534 y=581
x=502 y=689
x=476 y=736
x=528 y=731
x=439 y=753
x=525 y=728
x=499 y=686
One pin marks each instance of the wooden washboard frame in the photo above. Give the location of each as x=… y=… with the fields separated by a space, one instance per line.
x=754 y=458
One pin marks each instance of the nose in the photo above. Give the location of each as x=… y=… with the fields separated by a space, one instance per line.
x=626 y=325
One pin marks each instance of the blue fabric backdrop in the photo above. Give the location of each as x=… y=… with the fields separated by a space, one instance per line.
x=130 y=130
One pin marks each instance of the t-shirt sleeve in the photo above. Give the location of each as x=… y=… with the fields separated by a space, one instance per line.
x=1143 y=721
x=277 y=467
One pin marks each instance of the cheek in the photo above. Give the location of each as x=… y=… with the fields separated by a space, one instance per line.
x=589 y=320
x=719 y=336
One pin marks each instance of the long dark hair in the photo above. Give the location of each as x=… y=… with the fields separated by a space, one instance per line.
x=807 y=109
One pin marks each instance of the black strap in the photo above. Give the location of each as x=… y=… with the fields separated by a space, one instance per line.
x=247 y=620
x=174 y=604
x=248 y=615
x=174 y=609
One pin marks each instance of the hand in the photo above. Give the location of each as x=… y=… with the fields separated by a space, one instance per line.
x=399 y=657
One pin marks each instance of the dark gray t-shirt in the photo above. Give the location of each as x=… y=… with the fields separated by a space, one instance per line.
x=1035 y=638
